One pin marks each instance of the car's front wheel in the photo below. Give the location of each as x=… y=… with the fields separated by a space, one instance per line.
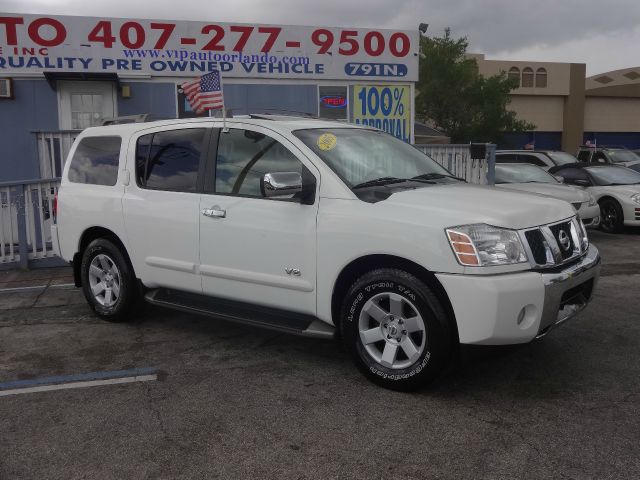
x=395 y=329
x=108 y=281
x=611 y=216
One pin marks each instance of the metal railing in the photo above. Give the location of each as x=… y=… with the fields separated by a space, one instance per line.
x=458 y=160
x=53 y=148
x=26 y=216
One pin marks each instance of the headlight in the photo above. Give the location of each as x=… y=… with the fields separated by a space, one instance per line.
x=592 y=200
x=636 y=198
x=484 y=245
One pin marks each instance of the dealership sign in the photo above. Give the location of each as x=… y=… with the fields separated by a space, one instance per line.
x=386 y=107
x=36 y=43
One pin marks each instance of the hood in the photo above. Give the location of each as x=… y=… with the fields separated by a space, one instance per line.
x=461 y=204
x=562 y=192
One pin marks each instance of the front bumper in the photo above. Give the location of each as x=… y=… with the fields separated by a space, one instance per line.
x=518 y=307
x=631 y=212
x=590 y=216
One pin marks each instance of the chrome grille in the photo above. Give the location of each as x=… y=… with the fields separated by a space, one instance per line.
x=555 y=244
x=537 y=246
x=562 y=235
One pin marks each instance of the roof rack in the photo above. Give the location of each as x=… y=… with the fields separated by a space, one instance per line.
x=620 y=147
x=141 y=118
x=279 y=114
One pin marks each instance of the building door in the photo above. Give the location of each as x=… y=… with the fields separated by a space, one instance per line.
x=85 y=104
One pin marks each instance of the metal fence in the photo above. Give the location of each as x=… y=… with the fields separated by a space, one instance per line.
x=26 y=216
x=458 y=160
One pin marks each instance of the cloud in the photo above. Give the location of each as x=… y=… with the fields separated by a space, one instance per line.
x=567 y=30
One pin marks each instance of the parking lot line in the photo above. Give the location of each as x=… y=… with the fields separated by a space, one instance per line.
x=66 y=386
x=59 y=286
x=83 y=380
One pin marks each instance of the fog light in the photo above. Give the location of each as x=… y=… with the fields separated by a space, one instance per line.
x=526 y=317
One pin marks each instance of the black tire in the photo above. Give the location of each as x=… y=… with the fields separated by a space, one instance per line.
x=611 y=216
x=380 y=286
x=128 y=292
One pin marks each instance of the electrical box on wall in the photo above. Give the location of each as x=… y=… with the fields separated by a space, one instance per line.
x=6 y=88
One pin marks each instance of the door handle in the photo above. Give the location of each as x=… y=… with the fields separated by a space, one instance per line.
x=215 y=212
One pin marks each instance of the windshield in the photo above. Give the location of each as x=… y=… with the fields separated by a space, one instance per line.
x=610 y=175
x=562 y=158
x=620 y=156
x=522 y=173
x=359 y=155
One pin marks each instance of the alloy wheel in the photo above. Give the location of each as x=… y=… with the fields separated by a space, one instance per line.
x=392 y=330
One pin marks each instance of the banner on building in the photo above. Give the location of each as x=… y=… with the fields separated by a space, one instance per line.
x=387 y=107
x=38 y=43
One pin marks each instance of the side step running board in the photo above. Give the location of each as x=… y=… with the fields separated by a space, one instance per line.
x=248 y=314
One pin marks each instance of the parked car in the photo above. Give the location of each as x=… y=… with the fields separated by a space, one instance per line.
x=533 y=179
x=542 y=158
x=313 y=228
x=635 y=166
x=608 y=155
x=616 y=188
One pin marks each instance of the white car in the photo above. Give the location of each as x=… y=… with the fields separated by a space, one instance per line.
x=616 y=188
x=532 y=179
x=314 y=227
x=545 y=159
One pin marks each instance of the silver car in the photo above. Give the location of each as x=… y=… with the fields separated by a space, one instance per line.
x=532 y=179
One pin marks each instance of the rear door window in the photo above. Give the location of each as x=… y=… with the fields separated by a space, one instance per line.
x=95 y=161
x=170 y=160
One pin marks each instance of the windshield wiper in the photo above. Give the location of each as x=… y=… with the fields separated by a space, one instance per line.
x=378 y=181
x=434 y=176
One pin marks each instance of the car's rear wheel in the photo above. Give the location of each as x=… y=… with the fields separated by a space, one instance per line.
x=108 y=281
x=395 y=329
x=611 y=216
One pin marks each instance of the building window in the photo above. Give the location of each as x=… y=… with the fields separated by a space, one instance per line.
x=541 y=78
x=514 y=73
x=527 y=77
x=333 y=102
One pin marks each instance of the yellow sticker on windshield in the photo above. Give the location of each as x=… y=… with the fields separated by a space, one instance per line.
x=327 y=141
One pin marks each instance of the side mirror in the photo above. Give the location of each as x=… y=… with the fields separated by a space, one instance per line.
x=560 y=178
x=280 y=184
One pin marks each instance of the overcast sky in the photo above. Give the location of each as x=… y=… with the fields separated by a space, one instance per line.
x=605 y=34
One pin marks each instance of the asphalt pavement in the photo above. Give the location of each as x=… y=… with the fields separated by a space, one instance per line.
x=235 y=402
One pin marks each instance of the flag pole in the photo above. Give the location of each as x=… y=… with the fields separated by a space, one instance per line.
x=225 y=129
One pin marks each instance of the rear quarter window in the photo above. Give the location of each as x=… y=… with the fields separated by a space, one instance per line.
x=95 y=161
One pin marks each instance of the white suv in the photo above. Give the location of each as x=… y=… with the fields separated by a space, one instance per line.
x=317 y=228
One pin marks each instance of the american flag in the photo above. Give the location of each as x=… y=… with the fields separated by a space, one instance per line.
x=205 y=92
